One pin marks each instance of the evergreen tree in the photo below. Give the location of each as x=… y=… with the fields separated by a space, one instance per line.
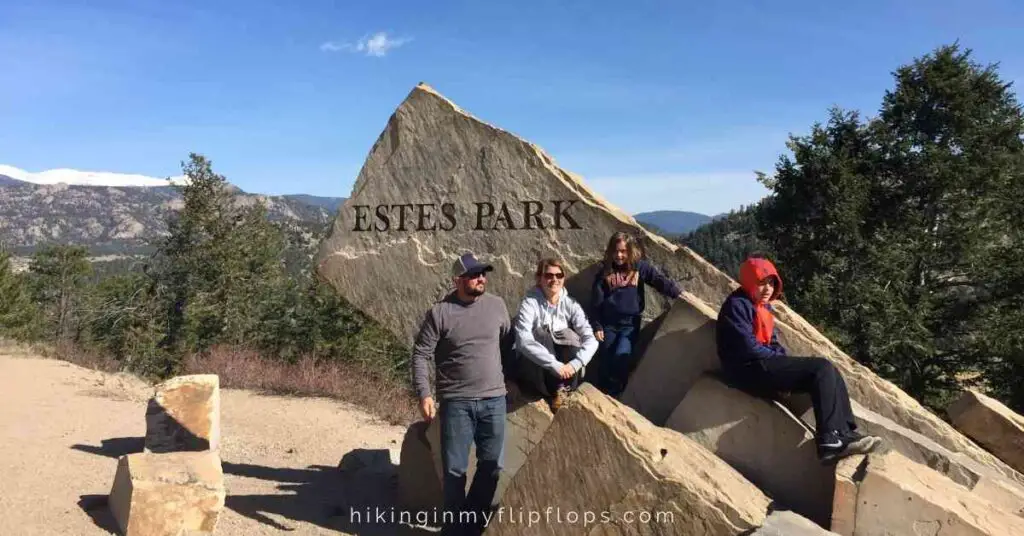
x=59 y=274
x=895 y=233
x=18 y=313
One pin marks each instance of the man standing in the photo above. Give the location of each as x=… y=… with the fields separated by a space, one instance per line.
x=466 y=334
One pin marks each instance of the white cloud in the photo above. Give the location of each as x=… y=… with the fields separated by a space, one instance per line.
x=377 y=45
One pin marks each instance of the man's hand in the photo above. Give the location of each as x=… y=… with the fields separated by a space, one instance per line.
x=599 y=335
x=427 y=408
x=567 y=371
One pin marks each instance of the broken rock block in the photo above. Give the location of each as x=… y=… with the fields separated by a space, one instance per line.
x=898 y=496
x=419 y=479
x=981 y=479
x=844 y=498
x=602 y=468
x=184 y=415
x=762 y=440
x=993 y=425
x=786 y=523
x=167 y=494
x=682 y=349
x=527 y=419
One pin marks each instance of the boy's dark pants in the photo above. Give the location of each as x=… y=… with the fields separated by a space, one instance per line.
x=464 y=423
x=814 y=375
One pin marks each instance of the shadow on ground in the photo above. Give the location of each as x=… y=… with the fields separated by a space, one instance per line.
x=359 y=496
x=96 y=507
x=114 y=447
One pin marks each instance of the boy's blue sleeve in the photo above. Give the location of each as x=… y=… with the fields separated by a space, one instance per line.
x=654 y=277
x=736 y=325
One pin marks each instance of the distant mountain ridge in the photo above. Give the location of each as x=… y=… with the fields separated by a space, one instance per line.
x=674 y=222
x=330 y=203
x=124 y=214
x=125 y=220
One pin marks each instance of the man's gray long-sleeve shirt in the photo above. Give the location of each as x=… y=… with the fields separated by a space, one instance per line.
x=466 y=341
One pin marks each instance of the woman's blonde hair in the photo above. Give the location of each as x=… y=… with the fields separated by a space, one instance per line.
x=544 y=263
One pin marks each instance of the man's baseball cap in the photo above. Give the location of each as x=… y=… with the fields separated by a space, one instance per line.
x=467 y=264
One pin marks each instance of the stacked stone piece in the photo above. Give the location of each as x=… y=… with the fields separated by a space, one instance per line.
x=177 y=483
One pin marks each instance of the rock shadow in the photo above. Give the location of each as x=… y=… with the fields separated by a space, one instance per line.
x=114 y=447
x=96 y=507
x=359 y=496
x=166 y=434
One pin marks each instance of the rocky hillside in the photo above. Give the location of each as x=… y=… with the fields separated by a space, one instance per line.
x=115 y=220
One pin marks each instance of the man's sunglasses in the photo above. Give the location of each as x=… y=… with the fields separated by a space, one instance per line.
x=549 y=275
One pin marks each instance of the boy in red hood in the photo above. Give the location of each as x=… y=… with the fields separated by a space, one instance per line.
x=754 y=361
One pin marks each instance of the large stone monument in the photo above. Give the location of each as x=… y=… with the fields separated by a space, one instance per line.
x=439 y=182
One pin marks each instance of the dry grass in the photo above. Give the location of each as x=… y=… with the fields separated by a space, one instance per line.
x=354 y=383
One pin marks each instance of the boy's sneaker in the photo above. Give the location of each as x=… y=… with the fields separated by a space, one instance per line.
x=837 y=445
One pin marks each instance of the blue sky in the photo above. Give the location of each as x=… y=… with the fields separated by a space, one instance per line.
x=659 y=105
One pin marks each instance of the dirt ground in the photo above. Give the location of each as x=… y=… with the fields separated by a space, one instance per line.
x=291 y=465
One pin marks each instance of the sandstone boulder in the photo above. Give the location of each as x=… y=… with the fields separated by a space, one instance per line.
x=762 y=440
x=898 y=496
x=844 y=497
x=785 y=523
x=602 y=468
x=439 y=182
x=993 y=425
x=184 y=415
x=681 y=350
x=167 y=494
x=527 y=419
x=419 y=479
x=983 y=480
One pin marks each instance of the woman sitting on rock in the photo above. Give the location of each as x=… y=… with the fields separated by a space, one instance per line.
x=618 y=302
x=553 y=334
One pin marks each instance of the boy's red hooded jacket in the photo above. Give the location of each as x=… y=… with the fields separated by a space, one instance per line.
x=746 y=328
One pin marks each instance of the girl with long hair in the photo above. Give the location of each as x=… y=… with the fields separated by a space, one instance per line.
x=617 y=307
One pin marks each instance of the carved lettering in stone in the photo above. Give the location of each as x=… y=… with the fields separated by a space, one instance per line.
x=487 y=216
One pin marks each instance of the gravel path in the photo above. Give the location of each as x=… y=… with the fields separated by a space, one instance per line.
x=292 y=465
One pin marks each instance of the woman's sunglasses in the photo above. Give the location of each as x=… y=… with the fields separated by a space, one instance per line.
x=550 y=275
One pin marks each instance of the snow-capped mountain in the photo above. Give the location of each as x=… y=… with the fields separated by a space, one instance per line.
x=74 y=177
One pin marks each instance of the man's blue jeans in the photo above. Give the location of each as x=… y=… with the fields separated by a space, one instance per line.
x=463 y=423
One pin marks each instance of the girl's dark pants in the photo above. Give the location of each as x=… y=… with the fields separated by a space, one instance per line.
x=617 y=357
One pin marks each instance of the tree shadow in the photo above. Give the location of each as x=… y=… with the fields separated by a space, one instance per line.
x=359 y=496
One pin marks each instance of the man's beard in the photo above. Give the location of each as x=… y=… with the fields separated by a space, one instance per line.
x=474 y=292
